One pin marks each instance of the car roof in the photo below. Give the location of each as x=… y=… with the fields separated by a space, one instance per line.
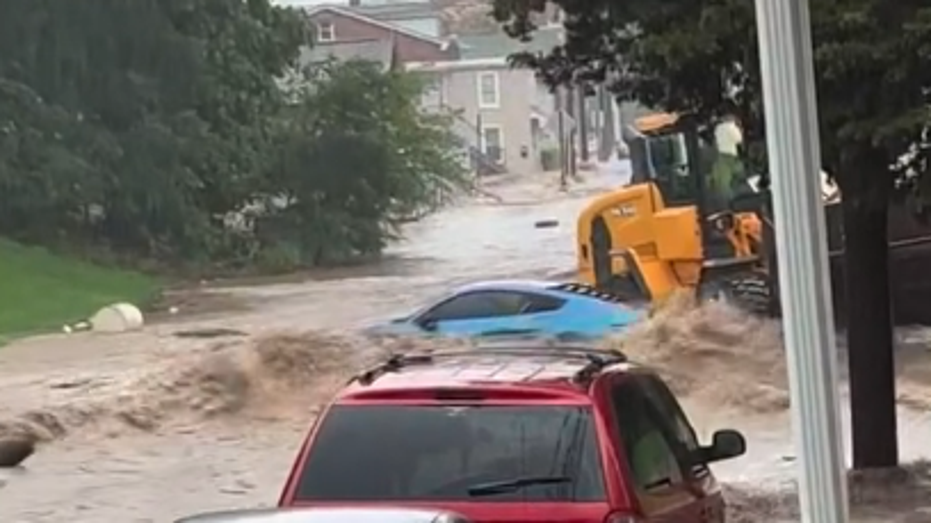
x=529 y=367
x=508 y=285
x=570 y=290
x=322 y=515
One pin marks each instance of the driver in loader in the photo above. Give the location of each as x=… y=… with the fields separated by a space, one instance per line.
x=728 y=177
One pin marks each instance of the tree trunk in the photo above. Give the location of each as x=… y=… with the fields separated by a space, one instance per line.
x=870 y=334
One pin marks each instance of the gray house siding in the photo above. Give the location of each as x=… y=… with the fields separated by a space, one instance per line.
x=511 y=116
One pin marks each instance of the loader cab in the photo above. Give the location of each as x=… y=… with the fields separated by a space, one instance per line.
x=690 y=164
x=688 y=167
x=661 y=152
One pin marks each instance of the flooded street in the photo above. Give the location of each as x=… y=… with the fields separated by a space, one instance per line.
x=149 y=426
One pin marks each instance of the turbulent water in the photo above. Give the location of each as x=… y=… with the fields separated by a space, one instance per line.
x=150 y=426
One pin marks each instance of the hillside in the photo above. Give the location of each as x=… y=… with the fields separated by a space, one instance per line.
x=41 y=291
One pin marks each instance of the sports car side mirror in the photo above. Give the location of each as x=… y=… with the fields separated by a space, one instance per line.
x=428 y=324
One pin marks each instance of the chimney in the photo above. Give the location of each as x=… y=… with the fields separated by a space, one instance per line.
x=355 y=3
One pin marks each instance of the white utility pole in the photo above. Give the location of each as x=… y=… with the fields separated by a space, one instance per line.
x=784 y=30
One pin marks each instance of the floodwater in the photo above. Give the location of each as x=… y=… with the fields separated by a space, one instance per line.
x=149 y=426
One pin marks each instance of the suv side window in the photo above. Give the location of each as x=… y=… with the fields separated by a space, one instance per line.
x=672 y=414
x=650 y=455
x=670 y=409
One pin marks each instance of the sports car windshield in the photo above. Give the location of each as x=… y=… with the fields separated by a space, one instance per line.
x=424 y=452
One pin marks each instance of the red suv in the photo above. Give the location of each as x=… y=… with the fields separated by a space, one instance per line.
x=513 y=433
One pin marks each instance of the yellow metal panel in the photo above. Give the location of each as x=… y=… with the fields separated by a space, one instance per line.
x=657 y=275
x=628 y=213
x=678 y=235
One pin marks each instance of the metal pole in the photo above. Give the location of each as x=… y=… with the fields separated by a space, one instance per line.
x=479 y=148
x=794 y=152
x=605 y=104
x=561 y=132
x=570 y=105
x=583 y=122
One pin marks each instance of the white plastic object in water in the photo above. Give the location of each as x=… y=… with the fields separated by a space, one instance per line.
x=119 y=317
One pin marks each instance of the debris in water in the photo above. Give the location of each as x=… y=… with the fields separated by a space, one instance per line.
x=15 y=450
x=118 y=317
x=209 y=333
x=689 y=343
x=253 y=376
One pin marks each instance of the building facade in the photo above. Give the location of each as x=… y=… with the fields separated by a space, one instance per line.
x=334 y=25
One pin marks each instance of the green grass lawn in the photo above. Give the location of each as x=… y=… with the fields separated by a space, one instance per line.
x=40 y=291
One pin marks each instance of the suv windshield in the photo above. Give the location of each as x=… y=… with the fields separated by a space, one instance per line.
x=427 y=452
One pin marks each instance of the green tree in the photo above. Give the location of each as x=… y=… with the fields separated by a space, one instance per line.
x=167 y=101
x=357 y=156
x=873 y=78
x=152 y=128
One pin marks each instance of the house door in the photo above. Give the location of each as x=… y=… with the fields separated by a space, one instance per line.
x=493 y=143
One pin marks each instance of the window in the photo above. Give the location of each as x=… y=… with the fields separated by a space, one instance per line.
x=431 y=96
x=437 y=452
x=672 y=414
x=490 y=304
x=488 y=90
x=468 y=306
x=537 y=303
x=326 y=32
x=668 y=163
x=493 y=143
x=650 y=453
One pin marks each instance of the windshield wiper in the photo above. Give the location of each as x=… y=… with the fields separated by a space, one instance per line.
x=510 y=485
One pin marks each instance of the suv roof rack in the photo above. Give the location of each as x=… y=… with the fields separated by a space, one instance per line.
x=596 y=359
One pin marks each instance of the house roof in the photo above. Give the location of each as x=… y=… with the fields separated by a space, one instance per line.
x=498 y=44
x=398 y=11
x=378 y=51
x=388 y=26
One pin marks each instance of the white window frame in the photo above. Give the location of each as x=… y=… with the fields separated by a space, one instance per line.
x=432 y=94
x=496 y=79
x=320 y=32
x=501 y=143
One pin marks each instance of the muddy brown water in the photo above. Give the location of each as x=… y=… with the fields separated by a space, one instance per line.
x=148 y=426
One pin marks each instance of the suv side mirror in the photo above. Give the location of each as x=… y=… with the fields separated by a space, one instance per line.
x=725 y=444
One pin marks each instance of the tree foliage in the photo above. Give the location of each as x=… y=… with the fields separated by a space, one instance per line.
x=152 y=128
x=870 y=59
x=873 y=78
x=356 y=157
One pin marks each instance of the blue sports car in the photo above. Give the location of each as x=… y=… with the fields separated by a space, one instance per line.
x=519 y=308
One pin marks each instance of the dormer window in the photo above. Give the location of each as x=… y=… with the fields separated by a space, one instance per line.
x=326 y=32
